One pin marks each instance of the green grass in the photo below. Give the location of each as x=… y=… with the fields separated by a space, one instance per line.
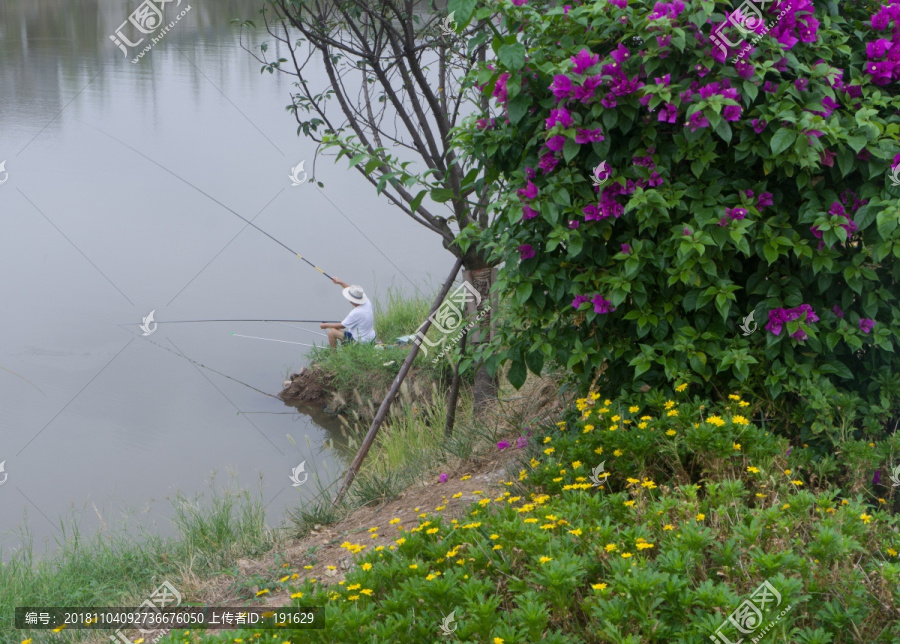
x=123 y=567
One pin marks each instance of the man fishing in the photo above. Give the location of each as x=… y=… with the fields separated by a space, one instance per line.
x=359 y=325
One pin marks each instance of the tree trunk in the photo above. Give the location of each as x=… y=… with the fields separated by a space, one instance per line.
x=482 y=279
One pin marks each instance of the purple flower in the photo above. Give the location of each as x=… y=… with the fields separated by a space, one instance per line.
x=620 y=54
x=621 y=4
x=736 y=213
x=668 y=114
x=500 y=88
x=521 y=442
x=561 y=87
x=579 y=300
x=697 y=121
x=584 y=60
x=765 y=199
x=589 y=136
x=443 y=478
x=528 y=212
x=526 y=251
x=687 y=232
x=529 y=173
x=518 y=3
x=758 y=125
x=566 y=9
x=547 y=163
x=608 y=101
x=732 y=112
x=876 y=480
x=560 y=116
x=777 y=319
x=626 y=249
x=838 y=311
x=502 y=445
x=801 y=84
x=556 y=143
x=663 y=41
x=744 y=68
x=866 y=325
x=530 y=191
x=799 y=335
x=810 y=313
x=664 y=81
x=769 y=87
x=602 y=305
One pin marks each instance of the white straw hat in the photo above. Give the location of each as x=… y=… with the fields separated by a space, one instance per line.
x=355 y=294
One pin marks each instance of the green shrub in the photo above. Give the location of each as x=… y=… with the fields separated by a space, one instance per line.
x=758 y=187
x=694 y=509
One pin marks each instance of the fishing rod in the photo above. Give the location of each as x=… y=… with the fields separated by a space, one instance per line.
x=249 y=223
x=253 y=337
x=195 y=321
x=300 y=328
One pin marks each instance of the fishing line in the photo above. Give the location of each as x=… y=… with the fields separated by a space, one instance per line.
x=195 y=321
x=253 y=337
x=34 y=385
x=181 y=355
x=300 y=328
x=249 y=223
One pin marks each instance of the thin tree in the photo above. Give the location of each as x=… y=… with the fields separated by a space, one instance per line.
x=396 y=90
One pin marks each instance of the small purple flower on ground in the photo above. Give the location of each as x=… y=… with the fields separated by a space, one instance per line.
x=443 y=478
x=502 y=445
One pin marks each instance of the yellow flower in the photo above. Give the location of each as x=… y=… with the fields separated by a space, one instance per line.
x=366 y=591
x=353 y=598
x=530 y=520
x=439 y=508
x=632 y=481
x=284 y=579
x=544 y=560
x=354 y=587
x=576 y=464
x=797 y=483
x=633 y=409
x=642 y=425
x=400 y=541
x=681 y=387
x=598 y=586
x=788 y=472
x=465 y=478
x=618 y=453
x=498 y=640
x=715 y=420
x=882 y=501
x=379 y=548
x=671 y=432
x=59 y=628
x=616 y=418
x=413 y=566
x=28 y=641
x=375 y=529
x=609 y=547
x=394 y=521
x=497 y=547
x=760 y=496
x=753 y=470
x=331 y=567
x=646 y=417
x=866 y=518
x=648 y=484
x=588 y=429
x=599 y=450
x=576 y=532
x=740 y=420
x=549 y=451
x=457 y=495
x=668 y=526
x=736 y=446
x=495 y=536
x=264 y=591
x=613 y=428
x=701 y=516
x=672 y=412
x=845 y=502
x=669 y=404
x=628 y=504
x=890 y=551
x=744 y=403
x=644 y=546
x=367 y=566
x=626 y=555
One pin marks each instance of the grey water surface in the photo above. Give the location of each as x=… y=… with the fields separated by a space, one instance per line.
x=99 y=226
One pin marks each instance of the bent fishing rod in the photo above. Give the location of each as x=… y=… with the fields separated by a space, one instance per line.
x=248 y=222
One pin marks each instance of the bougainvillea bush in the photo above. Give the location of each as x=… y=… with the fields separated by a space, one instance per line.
x=666 y=189
x=637 y=519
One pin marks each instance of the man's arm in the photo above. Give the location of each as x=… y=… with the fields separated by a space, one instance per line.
x=340 y=283
x=332 y=325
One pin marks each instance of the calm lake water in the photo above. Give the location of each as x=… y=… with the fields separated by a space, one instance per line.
x=98 y=228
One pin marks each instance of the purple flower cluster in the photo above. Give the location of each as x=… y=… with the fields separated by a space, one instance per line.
x=779 y=317
x=601 y=304
x=670 y=10
x=883 y=54
x=698 y=91
x=866 y=325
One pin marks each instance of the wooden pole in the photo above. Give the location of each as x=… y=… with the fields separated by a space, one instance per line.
x=395 y=387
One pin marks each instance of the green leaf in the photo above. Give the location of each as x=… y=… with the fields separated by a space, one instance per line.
x=783 y=139
x=463 y=10
x=441 y=195
x=570 y=150
x=512 y=56
x=535 y=362
x=518 y=107
x=417 y=201
x=857 y=142
x=517 y=374
x=523 y=292
x=724 y=130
